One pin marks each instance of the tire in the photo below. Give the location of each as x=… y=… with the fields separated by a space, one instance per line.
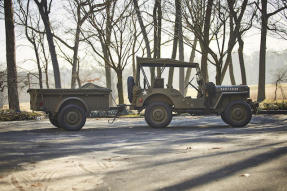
x=53 y=120
x=223 y=118
x=158 y=114
x=131 y=84
x=237 y=114
x=72 y=117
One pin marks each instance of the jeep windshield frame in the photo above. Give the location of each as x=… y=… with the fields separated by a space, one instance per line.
x=160 y=62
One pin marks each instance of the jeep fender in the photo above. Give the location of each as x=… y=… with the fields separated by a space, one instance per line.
x=157 y=97
x=232 y=96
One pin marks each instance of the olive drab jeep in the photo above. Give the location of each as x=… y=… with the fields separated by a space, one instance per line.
x=160 y=101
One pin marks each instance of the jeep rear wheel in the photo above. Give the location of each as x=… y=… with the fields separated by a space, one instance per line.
x=237 y=114
x=158 y=114
x=72 y=117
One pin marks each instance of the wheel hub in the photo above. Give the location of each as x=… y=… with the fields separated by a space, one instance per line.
x=238 y=114
x=72 y=117
x=158 y=115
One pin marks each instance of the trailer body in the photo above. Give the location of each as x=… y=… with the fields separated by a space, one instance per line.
x=68 y=108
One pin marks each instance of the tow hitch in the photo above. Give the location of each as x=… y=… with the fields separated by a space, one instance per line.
x=119 y=108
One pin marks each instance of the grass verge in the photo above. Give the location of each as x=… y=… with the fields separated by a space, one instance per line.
x=9 y=115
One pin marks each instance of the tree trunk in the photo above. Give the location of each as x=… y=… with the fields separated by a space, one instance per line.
x=105 y=48
x=180 y=47
x=13 y=97
x=46 y=66
x=262 y=54
x=47 y=77
x=46 y=63
x=120 y=86
x=204 y=70
x=231 y=74
x=159 y=23
x=276 y=88
x=241 y=60
x=134 y=49
x=173 y=56
x=38 y=65
x=191 y=60
x=46 y=21
x=144 y=33
x=78 y=75
x=75 y=57
x=174 y=47
x=157 y=14
x=218 y=75
x=205 y=44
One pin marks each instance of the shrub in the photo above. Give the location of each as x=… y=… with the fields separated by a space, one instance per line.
x=9 y=115
x=273 y=106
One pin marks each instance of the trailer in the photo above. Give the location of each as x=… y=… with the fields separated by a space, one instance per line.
x=69 y=108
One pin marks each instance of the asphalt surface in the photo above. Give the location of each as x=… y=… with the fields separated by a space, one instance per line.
x=193 y=153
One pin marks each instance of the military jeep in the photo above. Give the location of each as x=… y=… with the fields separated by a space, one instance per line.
x=160 y=101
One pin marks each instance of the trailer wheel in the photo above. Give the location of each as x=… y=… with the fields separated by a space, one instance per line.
x=158 y=114
x=72 y=117
x=53 y=119
x=237 y=114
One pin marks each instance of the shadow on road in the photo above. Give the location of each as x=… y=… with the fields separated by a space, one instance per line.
x=49 y=143
x=228 y=170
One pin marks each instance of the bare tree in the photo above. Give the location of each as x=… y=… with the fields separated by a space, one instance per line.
x=144 y=33
x=191 y=60
x=3 y=86
x=103 y=23
x=157 y=21
x=76 y=8
x=26 y=20
x=116 y=42
x=237 y=29
x=175 y=41
x=277 y=6
x=44 y=8
x=45 y=59
x=13 y=97
x=1 y=10
x=205 y=40
x=218 y=31
x=180 y=46
x=281 y=77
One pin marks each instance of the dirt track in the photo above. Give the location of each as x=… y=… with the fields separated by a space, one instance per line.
x=199 y=153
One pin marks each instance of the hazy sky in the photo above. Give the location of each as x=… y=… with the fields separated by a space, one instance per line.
x=252 y=43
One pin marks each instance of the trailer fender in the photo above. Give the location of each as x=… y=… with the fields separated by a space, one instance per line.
x=72 y=100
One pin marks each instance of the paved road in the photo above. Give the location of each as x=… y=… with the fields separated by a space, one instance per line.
x=193 y=153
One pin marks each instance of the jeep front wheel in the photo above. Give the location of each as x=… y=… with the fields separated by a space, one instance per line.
x=237 y=114
x=158 y=114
